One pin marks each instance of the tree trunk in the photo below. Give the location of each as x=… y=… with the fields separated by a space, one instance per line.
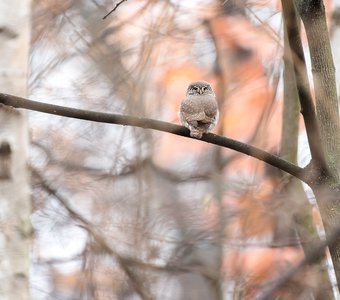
x=289 y=147
x=314 y=19
x=15 y=225
x=326 y=190
x=335 y=38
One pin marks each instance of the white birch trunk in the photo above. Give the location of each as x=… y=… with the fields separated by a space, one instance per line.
x=15 y=228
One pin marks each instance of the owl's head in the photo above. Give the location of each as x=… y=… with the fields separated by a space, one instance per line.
x=199 y=88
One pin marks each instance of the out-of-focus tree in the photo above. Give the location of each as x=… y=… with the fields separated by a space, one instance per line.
x=15 y=200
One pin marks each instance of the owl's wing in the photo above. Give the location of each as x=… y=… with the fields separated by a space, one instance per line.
x=208 y=119
x=210 y=108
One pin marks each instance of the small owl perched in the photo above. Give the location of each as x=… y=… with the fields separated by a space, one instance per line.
x=199 y=111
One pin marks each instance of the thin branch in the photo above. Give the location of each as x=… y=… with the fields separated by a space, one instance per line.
x=313 y=256
x=211 y=138
x=122 y=261
x=111 y=11
x=131 y=169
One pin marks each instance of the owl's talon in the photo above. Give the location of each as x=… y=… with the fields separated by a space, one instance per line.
x=196 y=134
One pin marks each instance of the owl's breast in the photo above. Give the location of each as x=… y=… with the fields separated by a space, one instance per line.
x=193 y=104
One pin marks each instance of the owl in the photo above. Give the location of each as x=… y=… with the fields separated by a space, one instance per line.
x=199 y=110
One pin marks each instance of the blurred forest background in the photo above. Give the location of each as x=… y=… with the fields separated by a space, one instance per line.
x=129 y=213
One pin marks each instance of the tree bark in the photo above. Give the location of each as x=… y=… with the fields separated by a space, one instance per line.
x=319 y=162
x=326 y=189
x=314 y=19
x=335 y=38
x=289 y=147
x=291 y=107
x=15 y=227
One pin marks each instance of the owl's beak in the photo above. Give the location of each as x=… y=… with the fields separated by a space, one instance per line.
x=201 y=91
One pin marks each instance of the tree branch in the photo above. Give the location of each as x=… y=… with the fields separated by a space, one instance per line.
x=127 y=120
x=113 y=9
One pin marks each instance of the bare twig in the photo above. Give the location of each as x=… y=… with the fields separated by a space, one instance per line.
x=131 y=169
x=90 y=228
x=124 y=261
x=211 y=138
x=111 y=11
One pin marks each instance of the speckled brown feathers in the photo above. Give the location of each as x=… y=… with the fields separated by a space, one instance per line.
x=199 y=110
